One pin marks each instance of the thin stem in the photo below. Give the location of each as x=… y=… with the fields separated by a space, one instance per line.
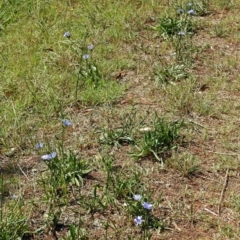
x=1 y=198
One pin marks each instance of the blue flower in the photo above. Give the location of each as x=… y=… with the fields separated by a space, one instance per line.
x=49 y=156
x=90 y=47
x=85 y=56
x=147 y=205
x=138 y=220
x=66 y=123
x=14 y=196
x=137 y=197
x=67 y=34
x=191 y=12
x=180 y=11
x=39 y=145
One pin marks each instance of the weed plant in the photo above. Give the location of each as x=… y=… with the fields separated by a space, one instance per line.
x=13 y=221
x=169 y=73
x=127 y=132
x=179 y=29
x=66 y=168
x=187 y=164
x=141 y=209
x=96 y=202
x=90 y=82
x=201 y=7
x=170 y=27
x=159 y=140
x=119 y=183
x=76 y=233
x=66 y=171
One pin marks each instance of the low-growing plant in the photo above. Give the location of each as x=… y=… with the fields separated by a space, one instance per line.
x=183 y=47
x=65 y=173
x=170 y=74
x=119 y=183
x=235 y=201
x=90 y=81
x=68 y=169
x=13 y=219
x=125 y=183
x=179 y=29
x=116 y=137
x=106 y=93
x=89 y=73
x=125 y=134
x=95 y=202
x=226 y=4
x=187 y=164
x=201 y=7
x=171 y=26
x=186 y=98
x=76 y=233
x=107 y=163
x=159 y=140
x=140 y=208
x=219 y=31
x=64 y=167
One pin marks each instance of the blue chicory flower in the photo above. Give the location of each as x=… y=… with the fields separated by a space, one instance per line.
x=14 y=196
x=191 y=12
x=138 y=220
x=90 y=47
x=137 y=197
x=49 y=156
x=180 y=11
x=67 y=34
x=39 y=145
x=85 y=56
x=66 y=123
x=147 y=205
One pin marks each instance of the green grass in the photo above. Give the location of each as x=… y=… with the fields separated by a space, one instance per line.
x=160 y=86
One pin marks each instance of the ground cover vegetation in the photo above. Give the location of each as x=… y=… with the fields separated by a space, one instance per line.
x=119 y=119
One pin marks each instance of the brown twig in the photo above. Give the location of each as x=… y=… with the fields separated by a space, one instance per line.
x=222 y=153
x=199 y=124
x=223 y=190
x=176 y=226
x=208 y=210
x=23 y=172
